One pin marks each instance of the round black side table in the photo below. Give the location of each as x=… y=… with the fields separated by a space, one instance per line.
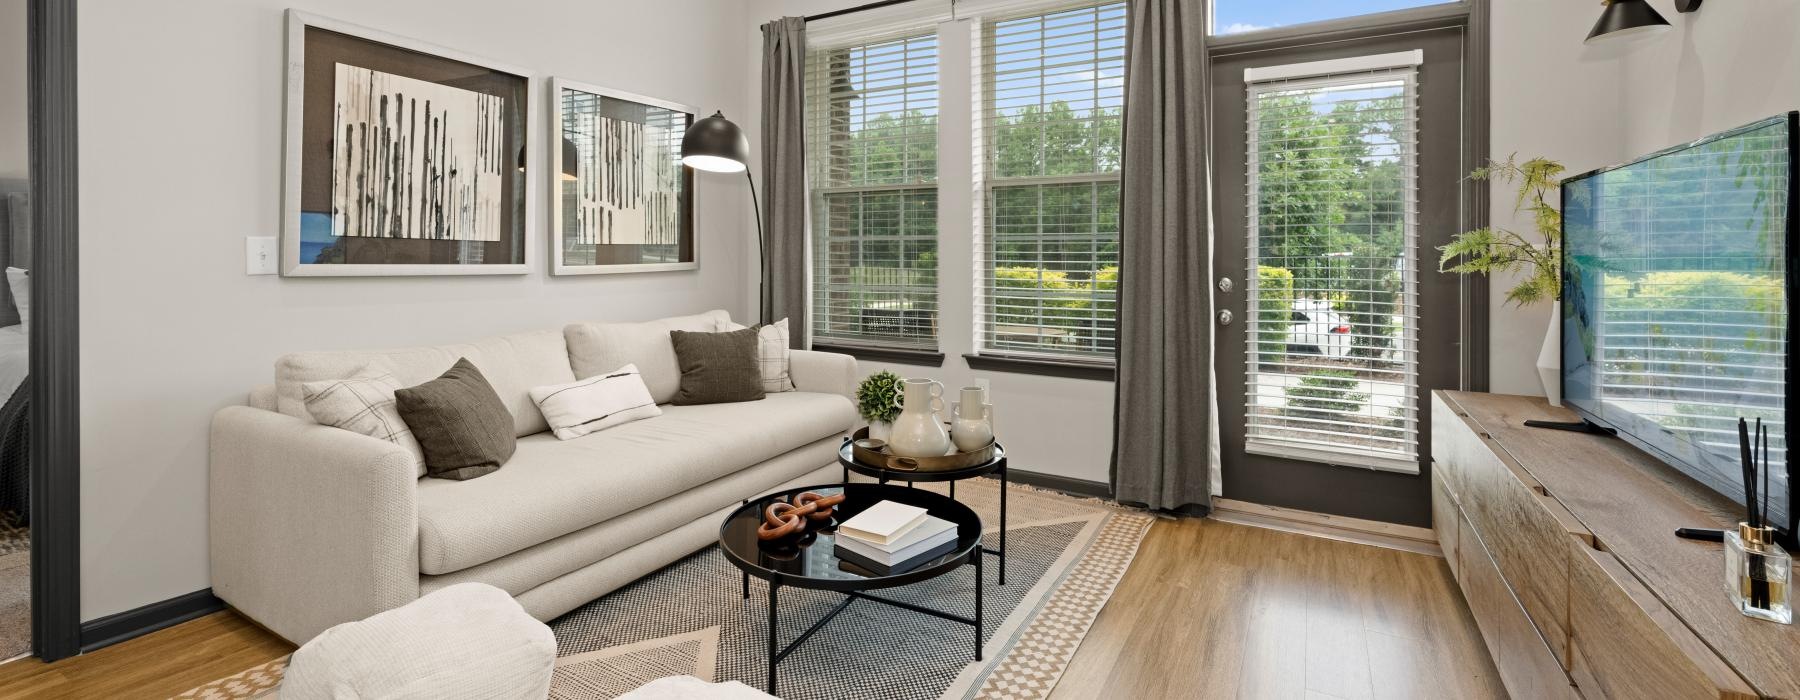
x=996 y=466
x=811 y=560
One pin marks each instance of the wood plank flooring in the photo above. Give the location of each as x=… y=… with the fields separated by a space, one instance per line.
x=1216 y=610
x=1208 y=609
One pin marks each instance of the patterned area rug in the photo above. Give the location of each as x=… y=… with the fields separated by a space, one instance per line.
x=1065 y=557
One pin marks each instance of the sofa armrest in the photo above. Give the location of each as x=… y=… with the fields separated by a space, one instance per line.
x=310 y=525
x=823 y=372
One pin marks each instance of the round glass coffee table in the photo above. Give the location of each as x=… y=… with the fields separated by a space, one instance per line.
x=810 y=560
x=995 y=466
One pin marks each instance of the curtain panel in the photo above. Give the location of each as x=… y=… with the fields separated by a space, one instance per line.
x=1165 y=432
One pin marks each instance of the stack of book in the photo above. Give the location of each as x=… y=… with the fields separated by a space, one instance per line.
x=891 y=538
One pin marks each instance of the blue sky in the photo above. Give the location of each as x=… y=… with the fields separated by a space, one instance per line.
x=1235 y=16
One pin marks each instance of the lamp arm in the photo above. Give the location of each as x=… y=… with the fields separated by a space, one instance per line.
x=762 y=256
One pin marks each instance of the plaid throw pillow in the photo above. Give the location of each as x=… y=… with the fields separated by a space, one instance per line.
x=363 y=403
x=772 y=353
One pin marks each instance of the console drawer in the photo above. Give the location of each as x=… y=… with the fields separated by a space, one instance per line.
x=1625 y=644
x=1527 y=666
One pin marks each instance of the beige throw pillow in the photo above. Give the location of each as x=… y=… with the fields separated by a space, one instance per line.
x=772 y=353
x=363 y=403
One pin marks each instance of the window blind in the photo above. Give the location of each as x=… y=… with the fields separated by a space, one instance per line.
x=1048 y=140
x=1332 y=313
x=871 y=125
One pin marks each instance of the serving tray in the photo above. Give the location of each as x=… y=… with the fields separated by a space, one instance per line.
x=887 y=460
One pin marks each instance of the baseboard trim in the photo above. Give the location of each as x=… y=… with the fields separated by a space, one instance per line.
x=1068 y=485
x=106 y=631
x=1336 y=527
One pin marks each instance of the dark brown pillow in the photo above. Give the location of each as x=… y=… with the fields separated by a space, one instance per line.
x=717 y=367
x=462 y=425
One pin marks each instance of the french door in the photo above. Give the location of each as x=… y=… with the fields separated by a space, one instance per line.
x=1338 y=172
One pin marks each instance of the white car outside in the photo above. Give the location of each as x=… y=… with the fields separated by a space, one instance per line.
x=1318 y=330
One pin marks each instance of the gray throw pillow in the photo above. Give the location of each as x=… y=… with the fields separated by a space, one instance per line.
x=717 y=367
x=461 y=424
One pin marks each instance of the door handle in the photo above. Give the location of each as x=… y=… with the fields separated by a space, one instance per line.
x=1225 y=318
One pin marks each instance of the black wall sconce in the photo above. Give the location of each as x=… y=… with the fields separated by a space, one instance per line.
x=1624 y=18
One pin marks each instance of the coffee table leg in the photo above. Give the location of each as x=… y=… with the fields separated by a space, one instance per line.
x=773 y=587
x=980 y=583
x=1002 y=525
x=746 y=574
x=952 y=490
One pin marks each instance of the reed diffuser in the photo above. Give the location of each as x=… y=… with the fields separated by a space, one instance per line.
x=1757 y=570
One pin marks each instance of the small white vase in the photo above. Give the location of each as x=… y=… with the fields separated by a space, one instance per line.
x=1549 y=361
x=880 y=430
x=972 y=427
x=919 y=432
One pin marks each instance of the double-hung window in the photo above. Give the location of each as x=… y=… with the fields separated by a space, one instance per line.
x=1048 y=135
x=872 y=121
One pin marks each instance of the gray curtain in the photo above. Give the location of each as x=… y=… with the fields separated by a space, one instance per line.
x=784 y=175
x=1165 y=432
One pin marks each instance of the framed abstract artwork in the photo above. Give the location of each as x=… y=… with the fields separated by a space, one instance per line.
x=403 y=158
x=621 y=201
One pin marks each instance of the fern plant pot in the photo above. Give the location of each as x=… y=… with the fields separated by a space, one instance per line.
x=1549 y=361
x=881 y=430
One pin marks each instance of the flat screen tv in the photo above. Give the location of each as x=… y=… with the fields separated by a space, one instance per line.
x=1677 y=281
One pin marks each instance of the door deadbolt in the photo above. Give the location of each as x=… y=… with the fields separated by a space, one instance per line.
x=1225 y=284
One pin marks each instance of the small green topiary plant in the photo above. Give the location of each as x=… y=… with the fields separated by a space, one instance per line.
x=1323 y=393
x=875 y=397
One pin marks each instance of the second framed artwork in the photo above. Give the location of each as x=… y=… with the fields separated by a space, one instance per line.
x=625 y=203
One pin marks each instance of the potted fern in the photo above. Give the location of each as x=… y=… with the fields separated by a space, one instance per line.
x=1538 y=264
x=877 y=399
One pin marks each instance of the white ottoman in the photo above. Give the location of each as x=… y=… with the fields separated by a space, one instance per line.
x=691 y=688
x=470 y=640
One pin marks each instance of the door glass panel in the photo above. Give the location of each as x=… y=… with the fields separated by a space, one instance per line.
x=1239 y=16
x=1333 y=310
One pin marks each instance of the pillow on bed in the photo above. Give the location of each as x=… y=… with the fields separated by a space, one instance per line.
x=19 y=280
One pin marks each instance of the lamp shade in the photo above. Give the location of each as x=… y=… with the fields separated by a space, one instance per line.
x=1623 y=18
x=717 y=145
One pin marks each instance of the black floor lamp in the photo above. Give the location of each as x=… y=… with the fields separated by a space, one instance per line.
x=714 y=144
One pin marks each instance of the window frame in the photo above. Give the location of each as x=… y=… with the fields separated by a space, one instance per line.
x=928 y=346
x=984 y=355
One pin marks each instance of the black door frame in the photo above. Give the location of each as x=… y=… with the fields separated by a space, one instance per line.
x=1370 y=494
x=55 y=377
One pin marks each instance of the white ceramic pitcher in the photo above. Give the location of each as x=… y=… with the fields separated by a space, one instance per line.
x=919 y=432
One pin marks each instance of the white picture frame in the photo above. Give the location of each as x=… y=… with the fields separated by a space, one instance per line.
x=553 y=178
x=528 y=197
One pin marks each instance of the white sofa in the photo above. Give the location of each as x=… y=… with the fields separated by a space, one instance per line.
x=312 y=526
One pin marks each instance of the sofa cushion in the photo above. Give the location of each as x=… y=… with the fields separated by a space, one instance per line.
x=513 y=364
x=554 y=487
x=595 y=348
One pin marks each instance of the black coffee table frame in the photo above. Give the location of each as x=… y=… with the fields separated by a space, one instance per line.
x=995 y=466
x=853 y=589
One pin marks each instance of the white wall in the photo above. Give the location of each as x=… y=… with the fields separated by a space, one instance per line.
x=1729 y=64
x=1050 y=425
x=181 y=122
x=15 y=156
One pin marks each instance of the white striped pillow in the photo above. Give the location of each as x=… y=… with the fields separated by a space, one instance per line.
x=596 y=403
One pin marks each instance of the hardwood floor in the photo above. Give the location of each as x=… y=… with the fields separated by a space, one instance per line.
x=1212 y=609
x=157 y=665
x=1208 y=609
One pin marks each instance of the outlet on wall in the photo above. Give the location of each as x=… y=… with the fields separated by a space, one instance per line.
x=260 y=255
